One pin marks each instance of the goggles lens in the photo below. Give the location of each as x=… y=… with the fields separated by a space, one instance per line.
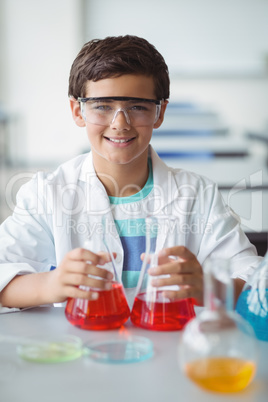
x=138 y=112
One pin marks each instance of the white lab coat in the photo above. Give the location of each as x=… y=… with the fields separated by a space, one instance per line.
x=56 y=211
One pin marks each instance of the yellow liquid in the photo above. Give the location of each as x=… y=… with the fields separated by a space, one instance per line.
x=221 y=374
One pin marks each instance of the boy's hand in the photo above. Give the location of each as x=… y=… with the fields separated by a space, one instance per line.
x=73 y=272
x=184 y=271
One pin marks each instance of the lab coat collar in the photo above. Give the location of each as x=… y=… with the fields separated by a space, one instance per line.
x=98 y=199
x=164 y=183
x=163 y=177
x=87 y=172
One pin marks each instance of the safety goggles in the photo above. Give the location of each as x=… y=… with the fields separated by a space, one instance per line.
x=103 y=111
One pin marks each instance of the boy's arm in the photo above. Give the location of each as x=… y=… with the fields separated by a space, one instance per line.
x=56 y=286
x=26 y=291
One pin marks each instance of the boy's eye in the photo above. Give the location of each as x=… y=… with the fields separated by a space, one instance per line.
x=138 y=108
x=101 y=107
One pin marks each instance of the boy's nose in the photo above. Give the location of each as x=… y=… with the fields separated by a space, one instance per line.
x=120 y=120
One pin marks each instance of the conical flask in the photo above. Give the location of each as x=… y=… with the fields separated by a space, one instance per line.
x=252 y=303
x=151 y=310
x=110 y=310
x=218 y=349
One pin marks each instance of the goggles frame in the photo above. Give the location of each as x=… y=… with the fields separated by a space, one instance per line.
x=120 y=98
x=157 y=102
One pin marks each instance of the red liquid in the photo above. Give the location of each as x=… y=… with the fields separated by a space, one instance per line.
x=109 y=311
x=159 y=315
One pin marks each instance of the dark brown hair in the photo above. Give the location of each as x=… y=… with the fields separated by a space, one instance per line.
x=116 y=56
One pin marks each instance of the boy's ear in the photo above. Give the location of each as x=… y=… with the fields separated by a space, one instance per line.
x=76 y=112
x=162 y=113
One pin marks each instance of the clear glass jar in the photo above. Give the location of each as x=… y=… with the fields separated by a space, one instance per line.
x=218 y=349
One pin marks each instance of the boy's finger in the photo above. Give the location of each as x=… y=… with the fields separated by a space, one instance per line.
x=176 y=267
x=100 y=272
x=188 y=280
x=81 y=254
x=179 y=251
x=78 y=293
x=82 y=268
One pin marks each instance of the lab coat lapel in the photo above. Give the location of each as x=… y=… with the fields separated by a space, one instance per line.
x=98 y=212
x=164 y=184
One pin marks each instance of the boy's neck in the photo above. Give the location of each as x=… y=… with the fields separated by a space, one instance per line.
x=123 y=180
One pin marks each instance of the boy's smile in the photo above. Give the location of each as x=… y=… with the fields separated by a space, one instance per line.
x=119 y=141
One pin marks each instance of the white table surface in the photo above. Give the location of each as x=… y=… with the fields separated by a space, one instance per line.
x=154 y=380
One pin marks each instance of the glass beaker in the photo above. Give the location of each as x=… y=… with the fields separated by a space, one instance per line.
x=218 y=349
x=151 y=310
x=252 y=303
x=110 y=310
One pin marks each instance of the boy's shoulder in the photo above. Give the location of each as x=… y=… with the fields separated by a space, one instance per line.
x=75 y=162
x=67 y=172
x=181 y=176
x=43 y=184
x=188 y=176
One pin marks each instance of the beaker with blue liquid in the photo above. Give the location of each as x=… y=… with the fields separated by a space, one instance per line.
x=252 y=303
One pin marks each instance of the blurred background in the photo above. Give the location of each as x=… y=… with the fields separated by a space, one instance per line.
x=217 y=120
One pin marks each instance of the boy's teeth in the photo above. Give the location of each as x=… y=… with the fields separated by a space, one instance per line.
x=118 y=141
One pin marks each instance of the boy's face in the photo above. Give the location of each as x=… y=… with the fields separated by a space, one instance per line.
x=103 y=139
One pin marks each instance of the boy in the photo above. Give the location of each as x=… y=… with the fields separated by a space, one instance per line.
x=119 y=90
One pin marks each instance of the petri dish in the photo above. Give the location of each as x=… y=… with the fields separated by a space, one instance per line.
x=120 y=350
x=51 y=350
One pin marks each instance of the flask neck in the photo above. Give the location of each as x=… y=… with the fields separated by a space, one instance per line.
x=218 y=286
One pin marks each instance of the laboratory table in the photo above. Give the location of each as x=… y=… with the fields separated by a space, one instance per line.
x=157 y=379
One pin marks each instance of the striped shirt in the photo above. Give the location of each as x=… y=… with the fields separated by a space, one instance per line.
x=129 y=216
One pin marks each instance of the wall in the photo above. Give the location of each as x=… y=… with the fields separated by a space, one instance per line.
x=41 y=39
x=216 y=50
x=242 y=102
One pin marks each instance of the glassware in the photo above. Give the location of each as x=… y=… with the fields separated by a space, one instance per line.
x=120 y=349
x=252 y=303
x=110 y=310
x=54 y=349
x=218 y=349
x=151 y=310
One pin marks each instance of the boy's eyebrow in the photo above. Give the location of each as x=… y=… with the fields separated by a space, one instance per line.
x=119 y=98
